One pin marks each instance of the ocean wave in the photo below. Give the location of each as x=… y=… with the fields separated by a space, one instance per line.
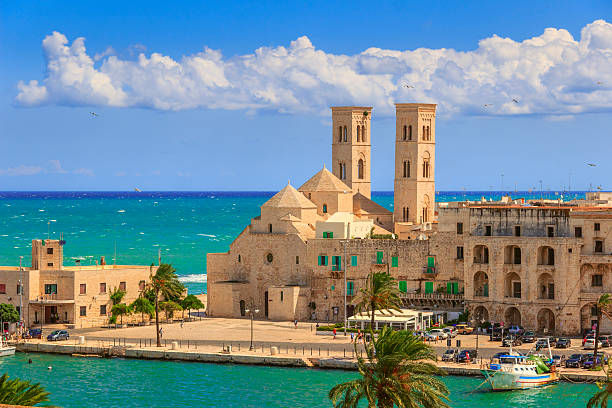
x=194 y=278
x=208 y=235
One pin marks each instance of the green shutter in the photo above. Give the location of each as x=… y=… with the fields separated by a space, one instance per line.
x=324 y=234
x=325 y=260
x=394 y=261
x=403 y=286
x=330 y=234
x=449 y=287
x=353 y=260
x=431 y=261
x=428 y=287
x=455 y=288
x=349 y=288
x=320 y=260
x=379 y=257
x=333 y=287
x=486 y=289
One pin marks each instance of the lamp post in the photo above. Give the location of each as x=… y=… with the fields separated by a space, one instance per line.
x=20 y=294
x=251 y=313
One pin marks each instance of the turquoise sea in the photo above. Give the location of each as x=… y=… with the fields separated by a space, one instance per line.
x=94 y=382
x=137 y=226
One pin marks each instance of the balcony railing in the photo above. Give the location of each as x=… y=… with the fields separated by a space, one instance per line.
x=431 y=296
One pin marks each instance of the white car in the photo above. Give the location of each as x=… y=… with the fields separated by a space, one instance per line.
x=589 y=344
x=439 y=332
x=450 y=331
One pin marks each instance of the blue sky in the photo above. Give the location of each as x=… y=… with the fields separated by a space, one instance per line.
x=234 y=95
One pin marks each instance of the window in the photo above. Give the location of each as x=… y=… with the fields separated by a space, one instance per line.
x=50 y=288
x=345 y=134
x=322 y=260
x=282 y=296
x=324 y=208
x=405 y=213
x=578 y=232
x=336 y=263
x=409 y=132
x=2 y=288
x=597 y=280
x=49 y=251
x=339 y=133
x=82 y=289
x=103 y=288
x=594 y=311
x=517 y=255
x=459 y=228
x=359 y=133
x=517 y=231
x=488 y=229
x=428 y=287
x=459 y=252
x=394 y=261
x=379 y=257
x=426 y=168
x=405 y=135
x=363 y=133
x=83 y=311
x=102 y=310
x=19 y=289
x=596 y=227
x=328 y=234
x=297 y=260
x=333 y=287
x=406 y=169
x=122 y=286
x=403 y=286
x=270 y=228
x=360 y=169
x=550 y=231
x=269 y=258
x=239 y=258
x=141 y=285
x=452 y=288
x=350 y=288
x=431 y=262
x=49 y=263
x=353 y=260
x=598 y=245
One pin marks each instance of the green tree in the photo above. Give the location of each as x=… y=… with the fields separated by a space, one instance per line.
x=22 y=393
x=8 y=313
x=602 y=305
x=143 y=306
x=117 y=296
x=169 y=307
x=164 y=283
x=395 y=372
x=191 y=302
x=381 y=292
x=121 y=309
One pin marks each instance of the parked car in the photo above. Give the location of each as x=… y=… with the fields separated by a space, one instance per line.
x=511 y=340
x=58 y=335
x=518 y=330
x=496 y=335
x=467 y=356
x=558 y=360
x=589 y=344
x=563 y=342
x=439 y=332
x=529 y=336
x=450 y=331
x=543 y=343
x=34 y=334
x=588 y=361
x=464 y=329
x=574 y=361
x=605 y=341
x=587 y=337
x=427 y=336
x=450 y=355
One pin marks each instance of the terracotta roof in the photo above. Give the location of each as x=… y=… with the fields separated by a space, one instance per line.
x=324 y=180
x=289 y=197
x=363 y=203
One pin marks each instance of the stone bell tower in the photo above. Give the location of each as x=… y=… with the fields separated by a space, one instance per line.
x=415 y=152
x=351 y=147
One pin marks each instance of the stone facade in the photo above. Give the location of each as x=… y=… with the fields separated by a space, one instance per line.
x=539 y=264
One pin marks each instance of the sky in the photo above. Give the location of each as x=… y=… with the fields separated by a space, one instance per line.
x=236 y=95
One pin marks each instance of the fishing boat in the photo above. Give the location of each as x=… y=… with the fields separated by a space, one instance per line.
x=5 y=350
x=517 y=372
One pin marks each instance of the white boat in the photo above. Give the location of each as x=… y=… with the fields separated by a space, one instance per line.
x=517 y=372
x=4 y=349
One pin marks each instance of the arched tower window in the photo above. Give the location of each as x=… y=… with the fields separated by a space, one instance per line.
x=406 y=168
x=343 y=171
x=340 y=170
x=359 y=133
x=270 y=228
x=405 y=214
x=424 y=134
x=409 y=132
x=360 y=169
x=425 y=216
x=426 y=166
x=363 y=134
x=339 y=133
x=324 y=208
x=405 y=135
x=345 y=134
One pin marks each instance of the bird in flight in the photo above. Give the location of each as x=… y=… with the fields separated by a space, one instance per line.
x=514 y=100
x=409 y=86
x=94 y=114
x=591 y=164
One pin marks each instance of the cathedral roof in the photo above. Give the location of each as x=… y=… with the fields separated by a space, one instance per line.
x=289 y=197
x=363 y=204
x=324 y=180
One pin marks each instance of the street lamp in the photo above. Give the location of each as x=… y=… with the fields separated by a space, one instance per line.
x=251 y=313
x=20 y=295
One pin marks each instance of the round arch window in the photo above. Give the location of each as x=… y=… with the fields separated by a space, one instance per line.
x=269 y=258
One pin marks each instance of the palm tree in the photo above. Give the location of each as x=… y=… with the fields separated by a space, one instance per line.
x=395 y=372
x=381 y=292
x=19 y=392
x=602 y=305
x=600 y=399
x=166 y=283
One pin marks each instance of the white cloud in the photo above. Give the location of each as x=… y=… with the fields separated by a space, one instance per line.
x=21 y=170
x=56 y=167
x=83 y=172
x=551 y=74
x=53 y=167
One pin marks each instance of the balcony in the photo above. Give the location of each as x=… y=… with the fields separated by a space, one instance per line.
x=431 y=300
x=431 y=296
x=430 y=271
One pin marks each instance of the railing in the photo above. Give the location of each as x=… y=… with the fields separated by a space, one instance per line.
x=430 y=270
x=432 y=296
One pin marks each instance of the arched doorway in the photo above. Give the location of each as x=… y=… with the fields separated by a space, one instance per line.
x=481 y=284
x=481 y=254
x=242 y=308
x=546 y=286
x=512 y=285
x=546 y=321
x=512 y=317
x=481 y=314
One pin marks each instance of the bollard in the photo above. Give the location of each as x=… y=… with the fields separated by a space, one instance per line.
x=273 y=350
x=175 y=345
x=81 y=339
